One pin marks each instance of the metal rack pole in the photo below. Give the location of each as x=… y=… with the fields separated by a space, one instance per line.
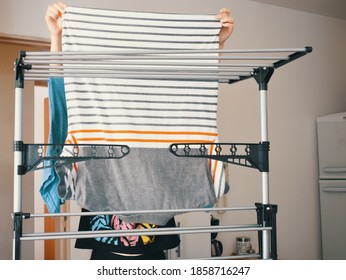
x=262 y=76
x=18 y=157
x=265 y=175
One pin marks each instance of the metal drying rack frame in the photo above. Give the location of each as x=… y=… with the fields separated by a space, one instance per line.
x=240 y=64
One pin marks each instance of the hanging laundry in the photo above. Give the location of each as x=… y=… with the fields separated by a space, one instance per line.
x=145 y=114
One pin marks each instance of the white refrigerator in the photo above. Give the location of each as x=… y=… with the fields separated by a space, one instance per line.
x=331 y=134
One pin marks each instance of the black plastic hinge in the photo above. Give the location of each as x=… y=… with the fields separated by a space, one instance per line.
x=262 y=76
x=18 y=146
x=263 y=156
x=20 y=68
x=21 y=170
x=17 y=219
x=266 y=214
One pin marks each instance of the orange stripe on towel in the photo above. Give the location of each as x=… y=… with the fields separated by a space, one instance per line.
x=143 y=132
x=144 y=140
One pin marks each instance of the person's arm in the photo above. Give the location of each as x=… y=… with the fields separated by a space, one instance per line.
x=227 y=26
x=54 y=20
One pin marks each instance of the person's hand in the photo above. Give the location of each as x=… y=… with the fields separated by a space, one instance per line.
x=53 y=18
x=54 y=23
x=227 y=25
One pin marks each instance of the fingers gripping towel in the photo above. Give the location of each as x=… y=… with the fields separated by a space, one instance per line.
x=145 y=114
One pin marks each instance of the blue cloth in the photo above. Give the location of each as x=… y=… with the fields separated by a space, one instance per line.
x=57 y=135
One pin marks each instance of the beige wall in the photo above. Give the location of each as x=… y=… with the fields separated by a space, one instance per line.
x=298 y=93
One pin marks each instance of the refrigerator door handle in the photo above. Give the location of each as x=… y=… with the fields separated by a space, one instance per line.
x=334 y=169
x=334 y=189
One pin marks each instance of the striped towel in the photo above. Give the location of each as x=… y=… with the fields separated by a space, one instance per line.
x=145 y=114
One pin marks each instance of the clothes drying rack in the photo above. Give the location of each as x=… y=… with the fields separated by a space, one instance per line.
x=233 y=66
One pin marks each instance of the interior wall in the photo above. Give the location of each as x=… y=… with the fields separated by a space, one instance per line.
x=298 y=93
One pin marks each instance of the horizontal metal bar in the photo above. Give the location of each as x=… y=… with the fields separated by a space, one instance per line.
x=139 y=232
x=66 y=68
x=202 y=73
x=235 y=257
x=120 y=60
x=143 y=66
x=108 y=57
x=185 y=210
x=45 y=79
x=215 y=69
x=174 y=51
x=135 y=71
x=148 y=63
x=137 y=76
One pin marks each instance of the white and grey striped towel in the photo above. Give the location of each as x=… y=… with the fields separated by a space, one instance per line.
x=146 y=114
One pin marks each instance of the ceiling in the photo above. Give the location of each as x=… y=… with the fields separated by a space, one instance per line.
x=330 y=8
